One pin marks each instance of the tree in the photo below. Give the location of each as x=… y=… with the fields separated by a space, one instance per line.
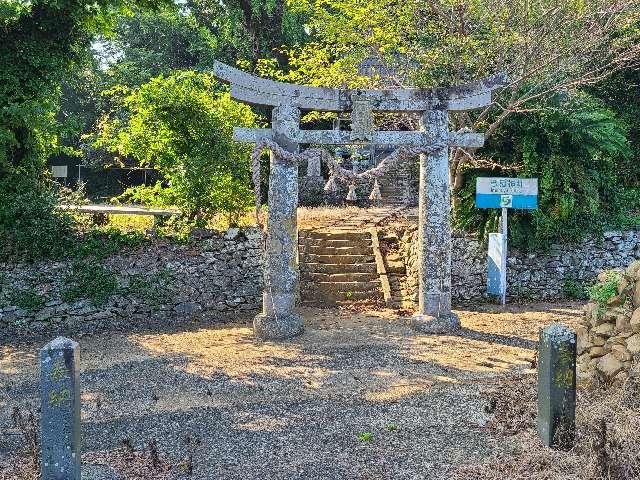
x=150 y=43
x=545 y=47
x=574 y=145
x=41 y=41
x=251 y=29
x=182 y=125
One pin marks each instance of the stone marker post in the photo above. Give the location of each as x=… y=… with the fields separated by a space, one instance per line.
x=434 y=233
x=60 y=399
x=279 y=318
x=314 y=167
x=312 y=184
x=557 y=386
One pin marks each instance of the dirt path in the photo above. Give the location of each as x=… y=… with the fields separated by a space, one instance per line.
x=295 y=410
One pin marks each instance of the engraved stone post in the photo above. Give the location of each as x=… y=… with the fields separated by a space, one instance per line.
x=60 y=398
x=312 y=184
x=557 y=386
x=279 y=319
x=434 y=233
x=314 y=165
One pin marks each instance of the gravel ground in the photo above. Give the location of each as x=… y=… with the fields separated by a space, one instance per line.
x=358 y=396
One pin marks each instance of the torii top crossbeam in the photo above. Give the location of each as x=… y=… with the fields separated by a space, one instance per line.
x=254 y=90
x=260 y=91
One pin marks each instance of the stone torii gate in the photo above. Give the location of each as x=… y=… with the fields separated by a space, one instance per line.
x=279 y=318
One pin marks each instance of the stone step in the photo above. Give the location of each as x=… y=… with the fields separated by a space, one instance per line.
x=363 y=242
x=338 y=277
x=334 y=235
x=333 y=298
x=324 y=249
x=343 y=287
x=395 y=268
x=337 y=267
x=340 y=259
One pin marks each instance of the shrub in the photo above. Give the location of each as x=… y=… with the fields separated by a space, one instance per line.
x=182 y=125
x=27 y=299
x=603 y=291
x=574 y=147
x=30 y=225
x=91 y=281
x=574 y=288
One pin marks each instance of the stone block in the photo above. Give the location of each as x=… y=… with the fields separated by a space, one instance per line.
x=633 y=270
x=621 y=353
x=609 y=365
x=633 y=344
x=616 y=301
x=597 y=352
x=556 y=386
x=635 y=300
x=604 y=330
x=623 y=286
x=623 y=324
x=634 y=323
x=621 y=377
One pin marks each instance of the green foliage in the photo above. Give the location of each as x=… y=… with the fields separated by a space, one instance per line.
x=248 y=30
x=150 y=287
x=365 y=437
x=574 y=288
x=391 y=427
x=89 y=280
x=574 y=147
x=147 y=44
x=620 y=94
x=27 y=299
x=42 y=42
x=603 y=291
x=30 y=225
x=182 y=127
x=100 y=243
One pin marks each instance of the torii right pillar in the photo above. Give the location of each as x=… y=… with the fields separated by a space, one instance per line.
x=434 y=232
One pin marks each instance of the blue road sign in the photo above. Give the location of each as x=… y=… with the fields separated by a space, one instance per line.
x=519 y=193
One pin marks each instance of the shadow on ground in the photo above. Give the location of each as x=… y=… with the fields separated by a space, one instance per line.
x=298 y=409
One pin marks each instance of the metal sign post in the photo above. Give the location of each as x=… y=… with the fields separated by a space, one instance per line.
x=503 y=193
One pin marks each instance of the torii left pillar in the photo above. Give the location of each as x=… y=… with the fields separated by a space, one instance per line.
x=279 y=319
x=434 y=232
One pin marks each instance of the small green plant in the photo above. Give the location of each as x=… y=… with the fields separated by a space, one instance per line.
x=390 y=427
x=27 y=299
x=150 y=287
x=365 y=436
x=603 y=291
x=102 y=242
x=89 y=280
x=574 y=288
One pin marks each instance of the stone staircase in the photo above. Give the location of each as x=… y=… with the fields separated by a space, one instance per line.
x=395 y=270
x=337 y=267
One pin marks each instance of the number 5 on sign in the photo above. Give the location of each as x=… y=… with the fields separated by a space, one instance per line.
x=506 y=201
x=503 y=193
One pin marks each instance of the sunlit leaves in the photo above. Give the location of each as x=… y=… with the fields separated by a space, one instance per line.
x=182 y=125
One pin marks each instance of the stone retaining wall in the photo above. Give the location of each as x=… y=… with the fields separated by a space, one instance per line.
x=540 y=276
x=217 y=275
x=220 y=274
x=609 y=334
